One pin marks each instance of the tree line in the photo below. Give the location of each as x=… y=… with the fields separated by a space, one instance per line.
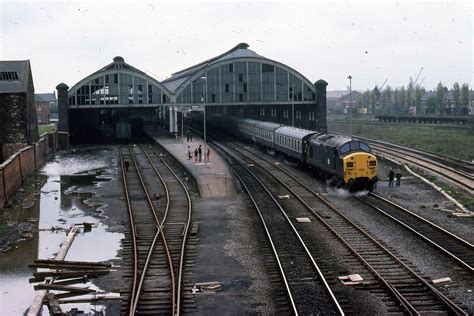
x=410 y=100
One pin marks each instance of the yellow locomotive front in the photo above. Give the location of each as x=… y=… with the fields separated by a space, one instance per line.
x=360 y=170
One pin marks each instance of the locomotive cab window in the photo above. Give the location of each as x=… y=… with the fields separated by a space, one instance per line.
x=354 y=145
x=364 y=147
x=345 y=148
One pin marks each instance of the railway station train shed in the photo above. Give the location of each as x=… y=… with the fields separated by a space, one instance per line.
x=118 y=100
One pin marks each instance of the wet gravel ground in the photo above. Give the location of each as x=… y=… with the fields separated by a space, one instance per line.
x=417 y=196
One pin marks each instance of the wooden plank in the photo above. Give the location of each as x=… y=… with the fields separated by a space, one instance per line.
x=73 y=263
x=70 y=274
x=64 y=295
x=38 y=301
x=64 y=267
x=82 y=279
x=65 y=288
x=92 y=299
x=53 y=305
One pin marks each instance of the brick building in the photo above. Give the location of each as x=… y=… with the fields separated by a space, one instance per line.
x=44 y=102
x=339 y=101
x=18 y=122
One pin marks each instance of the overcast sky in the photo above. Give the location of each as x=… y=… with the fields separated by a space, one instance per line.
x=68 y=40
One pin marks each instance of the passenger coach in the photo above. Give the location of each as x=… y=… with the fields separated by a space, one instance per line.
x=291 y=140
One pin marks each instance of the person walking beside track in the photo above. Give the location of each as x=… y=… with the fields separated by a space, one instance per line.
x=200 y=153
x=196 y=152
x=208 y=154
x=398 y=178
x=391 y=176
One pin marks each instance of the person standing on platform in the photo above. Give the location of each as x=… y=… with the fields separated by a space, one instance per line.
x=398 y=178
x=391 y=175
x=200 y=153
x=190 y=156
x=196 y=152
x=208 y=154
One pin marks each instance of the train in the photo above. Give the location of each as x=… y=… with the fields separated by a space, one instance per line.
x=344 y=161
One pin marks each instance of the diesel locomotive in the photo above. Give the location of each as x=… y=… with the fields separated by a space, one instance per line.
x=345 y=161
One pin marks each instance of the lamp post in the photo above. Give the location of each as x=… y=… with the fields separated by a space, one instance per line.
x=204 y=80
x=350 y=101
x=182 y=122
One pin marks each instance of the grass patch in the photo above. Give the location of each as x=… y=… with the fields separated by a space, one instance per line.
x=446 y=140
x=3 y=227
x=465 y=199
x=45 y=128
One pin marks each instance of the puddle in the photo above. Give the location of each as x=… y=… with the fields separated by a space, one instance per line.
x=66 y=198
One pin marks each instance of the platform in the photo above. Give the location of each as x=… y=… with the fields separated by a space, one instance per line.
x=214 y=178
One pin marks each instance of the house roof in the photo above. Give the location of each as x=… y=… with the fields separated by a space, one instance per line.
x=45 y=97
x=339 y=94
x=14 y=76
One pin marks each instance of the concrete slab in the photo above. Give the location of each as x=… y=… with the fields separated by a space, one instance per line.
x=213 y=178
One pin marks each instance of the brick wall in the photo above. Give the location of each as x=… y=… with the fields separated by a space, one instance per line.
x=12 y=175
x=13 y=117
x=22 y=164
x=42 y=112
x=27 y=162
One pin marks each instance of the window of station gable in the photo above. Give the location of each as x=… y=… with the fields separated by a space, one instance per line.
x=125 y=89
x=281 y=84
x=267 y=68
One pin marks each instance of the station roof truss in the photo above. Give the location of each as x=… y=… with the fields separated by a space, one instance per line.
x=118 y=85
x=183 y=79
x=255 y=80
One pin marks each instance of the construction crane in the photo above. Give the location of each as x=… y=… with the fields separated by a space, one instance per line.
x=421 y=82
x=383 y=84
x=417 y=77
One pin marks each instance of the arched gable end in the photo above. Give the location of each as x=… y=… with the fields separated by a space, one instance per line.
x=118 y=84
x=246 y=79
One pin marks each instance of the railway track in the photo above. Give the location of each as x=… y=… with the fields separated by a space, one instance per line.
x=464 y=166
x=307 y=289
x=453 y=246
x=405 y=285
x=459 y=173
x=157 y=238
